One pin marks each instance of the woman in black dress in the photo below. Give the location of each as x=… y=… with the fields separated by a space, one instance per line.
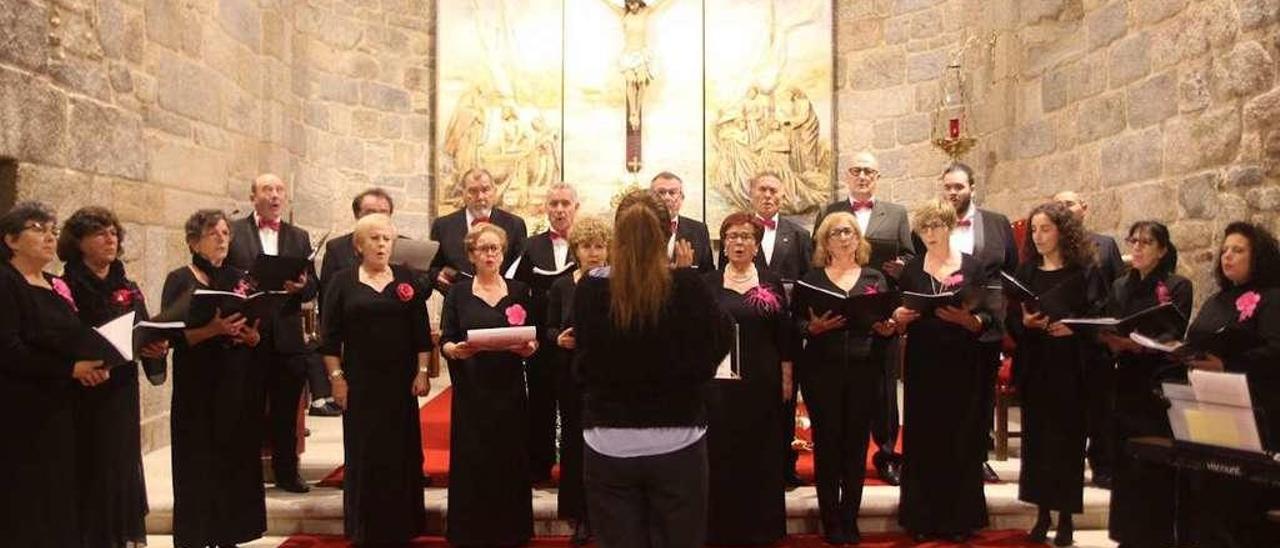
x=745 y=415
x=1142 y=496
x=1226 y=512
x=490 y=500
x=216 y=416
x=376 y=336
x=1049 y=365
x=38 y=376
x=840 y=370
x=589 y=247
x=113 y=494
x=942 y=491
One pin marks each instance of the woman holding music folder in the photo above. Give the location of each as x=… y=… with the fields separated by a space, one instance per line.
x=490 y=502
x=1142 y=496
x=840 y=368
x=649 y=338
x=1238 y=330
x=1049 y=365
x=216 y=417
x=747 y=495
x=113 y=495
x=943 y=315
x=376 y=336
x=38 y=376
x=589 y=246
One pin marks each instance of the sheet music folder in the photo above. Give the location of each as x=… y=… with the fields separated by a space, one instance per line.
x=860 y=311
x=1199 y=414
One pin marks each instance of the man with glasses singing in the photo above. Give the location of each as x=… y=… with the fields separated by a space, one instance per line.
x=1099 y=379
x=887 y=228
x=687 y=235
x=478 y=197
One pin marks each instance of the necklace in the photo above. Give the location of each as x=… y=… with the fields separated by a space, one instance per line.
x=751 y=273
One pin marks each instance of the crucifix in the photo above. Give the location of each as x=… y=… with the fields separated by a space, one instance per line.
x=635 y=66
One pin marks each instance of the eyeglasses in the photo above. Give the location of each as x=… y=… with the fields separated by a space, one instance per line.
x=487 y=249
x=1144 y=242
x=665 y=192
x=842 y=232
x=739 y=237
x=867 y=171
x=49 y=229
x=932 y=226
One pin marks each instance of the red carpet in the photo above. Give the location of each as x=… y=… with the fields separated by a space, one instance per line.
x=986 y=539
x=434 y=418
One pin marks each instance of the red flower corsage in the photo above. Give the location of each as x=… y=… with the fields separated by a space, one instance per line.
x=870 y=290
x=515 y=314
x=764 y=298
x=60 y=287
x=954 y=280
x=242 y=288
x=1247 y=303
x=123 y=298
x=404 y=291
x=1162 y=293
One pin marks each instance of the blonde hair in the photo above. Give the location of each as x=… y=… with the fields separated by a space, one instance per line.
x=367 y=224
x=821 y=256
x=480 y=228
x=934 y=210
x=588 y=229
x=640 y=279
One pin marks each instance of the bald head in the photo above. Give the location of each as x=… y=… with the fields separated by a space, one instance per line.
x=269 y=196
x=1073 y=202
x=862 y=176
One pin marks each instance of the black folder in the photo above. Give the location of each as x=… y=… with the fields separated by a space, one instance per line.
x=883 y=251
x=270 y=272
x=540 y=279
x=926 y=304
x=116 y=342
x=261 y=305
x=1155 y=321
x=1227 y=341
x=860 y=311
x=1058 y=302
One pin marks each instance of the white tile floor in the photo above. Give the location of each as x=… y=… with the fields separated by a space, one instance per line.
x=320 y=511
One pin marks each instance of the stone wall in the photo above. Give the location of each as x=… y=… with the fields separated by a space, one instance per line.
x=158 y=107
x=1153 y=109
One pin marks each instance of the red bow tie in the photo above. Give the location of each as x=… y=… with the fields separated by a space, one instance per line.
x=273 y=225
x=555 y=235
x=768 y=223
x=479 y=220
x=859 y=205
x=964 y=222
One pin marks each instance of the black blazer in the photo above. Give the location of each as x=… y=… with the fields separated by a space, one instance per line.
x=888 y=223
x=696 y=234
x=339 y=255
x=1110 y=263
x=541 y=251
x=451 y=230
x=792 y=252
x=285 y=330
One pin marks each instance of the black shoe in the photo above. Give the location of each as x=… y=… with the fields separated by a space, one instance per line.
x=327 y=409
x=833 y=538
x=293 y=485
x=581 y=533
x=920 y=538
x=791 y=480
x=426 y=480
x=1102 y=480
x=889 y=472
x=958 y=538
x=853 y=536
x=1039 y=532
x=989 y=474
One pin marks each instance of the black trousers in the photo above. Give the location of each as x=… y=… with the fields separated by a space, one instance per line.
x=658 y=501
x=885 y=422
x=317 y=377
x=788 y=424
x=842 y=407
x=540 y=376
x=990 y=357
x=284 y=381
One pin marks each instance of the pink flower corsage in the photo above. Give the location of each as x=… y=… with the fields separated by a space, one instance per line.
x=1162 y=293
x=764 y=298
x=515 y=314
x=123 y=298
x=60 y=287
x=404 y=291
x=870 y=290
x=243 y=287
x=953 y=280
x=1247 y=303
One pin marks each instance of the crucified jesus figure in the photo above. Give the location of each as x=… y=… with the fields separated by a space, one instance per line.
x=636 y=59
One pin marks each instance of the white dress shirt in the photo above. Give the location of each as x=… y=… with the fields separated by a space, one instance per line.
x=270 y=238
x=561 y=248
x=962 y=236
x=766 y=243
x=863 y=215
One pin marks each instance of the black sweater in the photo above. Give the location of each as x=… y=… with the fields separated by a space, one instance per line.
x=653 y=376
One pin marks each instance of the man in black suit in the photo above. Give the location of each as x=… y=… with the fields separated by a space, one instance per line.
x=786 y=250
x=988 y=237
x=282 y=352
x=478 y=197
x=687 y=235
x=548 y=251
x=887 y=228
x=1100 y=379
